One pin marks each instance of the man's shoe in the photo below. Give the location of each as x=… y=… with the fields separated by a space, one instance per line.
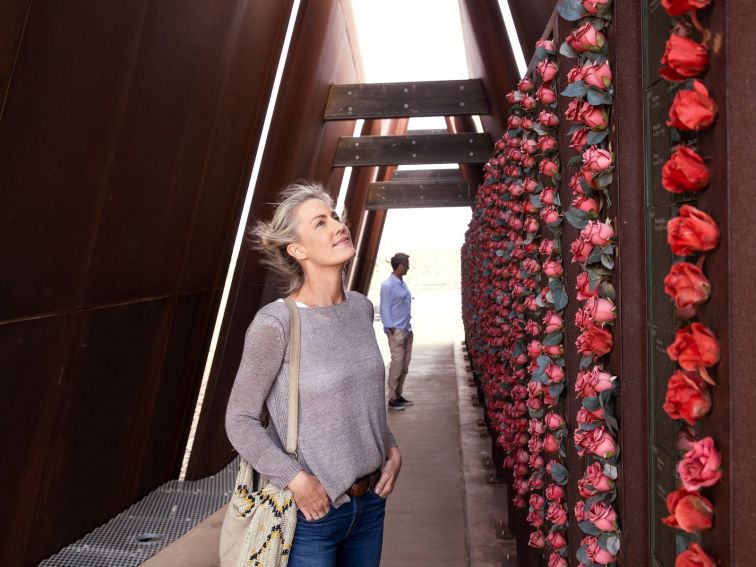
x=404 y=401
x=395 y=405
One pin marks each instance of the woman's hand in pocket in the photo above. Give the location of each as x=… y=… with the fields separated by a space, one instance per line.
x=310 y=496
x=389 y=472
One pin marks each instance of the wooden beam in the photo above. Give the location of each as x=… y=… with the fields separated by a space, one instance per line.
x=404 y=150
x=426 y=174
x=395 y=100
x=419 y=193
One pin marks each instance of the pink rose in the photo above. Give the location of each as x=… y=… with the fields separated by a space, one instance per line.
x=527 y=102
x=595 y=117
x=535 y=519
x=546 y=44
x=548 y=119
x=600 y=310
x=555 y=373
x=598 y=75
x=536 y=427
x=550 y=443
x=553 y=421
x=554 y=493
x=550 y=215
x=581 y=249
x=583 y=287
x=537 y=541
x=547 y=195
x=556 y=560
x=547 y=69
x=580 y=511
x=595 y=552
x=546 y=95
x=525 y=85
x=556 y=514
x=596 y=441
x=553 y=268
x=529 y=185
x=590 y=383
x=526 y=123
x=579 y=139
x=593 y=6
x=547 y=143
x=586 y=38
x=529 y=145
x=557 y=540
x=596 y=160
x=553 y=322
x=701 y=466
x=537 y=501
x=513 y=122
x=598 y=233
x=532 y=328
x=603 y=516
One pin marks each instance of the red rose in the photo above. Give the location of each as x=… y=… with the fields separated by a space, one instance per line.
x=701 y=466
x=694 y=556
x=600 y=310
x=684 y=171
x=556 y=560
x=553 y=322
x=688 y=511
x=687 y=397
x=692 y=109
x=683 y=59
x=528 y=103
x=554 y=493
x=596 y=441
x=547 y=44
x=695 y=347
x=547 y=143
x=586 y=38
x=548 y=167
x=688 y=287
x=680 y=7
x=591 y=382
x=594 y=340
x=692 y=231
x=556 y=514
x=595 y=117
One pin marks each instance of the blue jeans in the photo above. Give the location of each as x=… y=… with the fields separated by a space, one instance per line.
x=348 y=536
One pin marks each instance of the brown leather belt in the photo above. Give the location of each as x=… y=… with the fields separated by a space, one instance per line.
x=363 y=484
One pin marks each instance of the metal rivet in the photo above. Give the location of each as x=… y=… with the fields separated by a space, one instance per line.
x=406 y=90
x=414 y=142
x=461 y=103
x=472 y=154
x=356 y=144
x=414 y=155
x=470 y=140
x=356 y=157
x=349 y=92
x=461 y=87
x=406 y=105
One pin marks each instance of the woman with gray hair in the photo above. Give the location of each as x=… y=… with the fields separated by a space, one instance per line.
x=347 y=460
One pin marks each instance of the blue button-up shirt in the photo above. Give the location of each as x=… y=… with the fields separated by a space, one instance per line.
x=396 y=301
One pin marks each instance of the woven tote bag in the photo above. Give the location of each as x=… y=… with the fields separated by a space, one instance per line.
x=259 y=525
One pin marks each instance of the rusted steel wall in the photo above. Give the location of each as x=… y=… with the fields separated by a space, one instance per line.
x=299 y=145
x=127 y=133
x=489 y=58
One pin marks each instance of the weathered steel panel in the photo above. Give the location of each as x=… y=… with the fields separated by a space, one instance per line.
x=419 y=193
x=413 y=149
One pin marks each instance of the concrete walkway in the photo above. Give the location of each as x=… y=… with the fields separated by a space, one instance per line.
x=443 y=511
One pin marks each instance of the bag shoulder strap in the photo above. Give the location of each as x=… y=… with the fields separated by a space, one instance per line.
x=292 y=429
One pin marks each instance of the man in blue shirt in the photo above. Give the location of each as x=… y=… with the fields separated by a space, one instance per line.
x=396 y=302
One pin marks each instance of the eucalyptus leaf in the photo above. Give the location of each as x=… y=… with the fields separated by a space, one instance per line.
x=589 y=528
x=611 y=422
x=567 y=51
x=605 y=179
x=561 y=299
x=586 y=360
x=559 y=473
x=576 y=89
x=595 y=137
x=610 y=471
x=536 y=202
x=613 y=545
x=575 y=161
x=591 y=403
x=606 y=290
x=597 y=97
x=553 y=339
x=571 y=10
x=556 y=390
x=607 y=261
x=581 y=554
x=577 y=218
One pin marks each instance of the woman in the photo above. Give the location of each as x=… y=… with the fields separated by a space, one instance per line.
x=347 y=459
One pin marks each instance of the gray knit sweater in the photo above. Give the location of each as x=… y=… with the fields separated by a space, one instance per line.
x=343 y=433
